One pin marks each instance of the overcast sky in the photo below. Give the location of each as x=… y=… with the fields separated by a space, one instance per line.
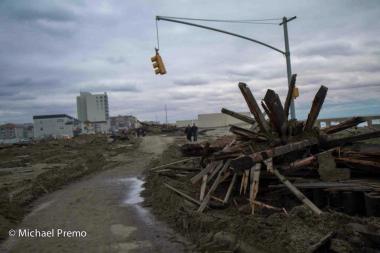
x=51 y=50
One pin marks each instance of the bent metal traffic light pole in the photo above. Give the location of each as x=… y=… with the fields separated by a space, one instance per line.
x=286 y=53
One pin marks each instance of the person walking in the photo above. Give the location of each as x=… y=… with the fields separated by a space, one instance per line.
x=188 y=132
x=194 y=131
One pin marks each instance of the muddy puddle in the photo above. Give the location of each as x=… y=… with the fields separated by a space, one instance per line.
x=133 y=198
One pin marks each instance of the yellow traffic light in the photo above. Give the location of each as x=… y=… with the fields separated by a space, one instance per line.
x=158 y=64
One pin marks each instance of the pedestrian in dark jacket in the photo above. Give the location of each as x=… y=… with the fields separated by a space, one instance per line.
x=188 y=132
x=194 y=131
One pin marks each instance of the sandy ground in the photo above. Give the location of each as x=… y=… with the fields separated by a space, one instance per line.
x=105 y=206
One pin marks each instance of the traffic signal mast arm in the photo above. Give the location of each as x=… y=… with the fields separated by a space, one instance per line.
x=286 y=53
x=219 y=30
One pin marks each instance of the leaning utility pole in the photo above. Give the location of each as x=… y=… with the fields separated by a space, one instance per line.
x=288 y=64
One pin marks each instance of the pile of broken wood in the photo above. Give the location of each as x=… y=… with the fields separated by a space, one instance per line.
x=280 y=147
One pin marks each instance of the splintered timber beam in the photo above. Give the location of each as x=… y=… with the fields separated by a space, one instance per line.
x=250 y=160
x=247 y=133
x=288 y=100
x=255 y=177
x=183 y=194
x=206 y=199
x=168 y=164
x=333 y=141
x=273 y=103
x=230 y=187
x=203 y=187
x=254 y=107
x=297 y=192
x=221 y=166
x=299 y=164
x=315 y=108
x=343 y=125
x=239 y=116
x=203 y=172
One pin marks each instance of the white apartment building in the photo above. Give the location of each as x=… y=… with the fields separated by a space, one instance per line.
x=93 y=112
x=56 y=126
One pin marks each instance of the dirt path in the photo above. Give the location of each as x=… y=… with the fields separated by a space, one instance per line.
x=106 y=207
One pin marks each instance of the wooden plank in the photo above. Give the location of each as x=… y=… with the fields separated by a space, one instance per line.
x=344 y=125
x=246 y=133
x=297 y=192
x=254 y=185
x=332 y=141
x=250 y=160
x=203 y=172
x=270 y=115
x=315 y=108
x=203 y=187
x=269 y=164
x=242 y=183
x=230 y=187
x=239 y=116
x=216 y=170
x=168 y=164
x=289 y=96
x=254 y=108
x=212 y=189
x=276 y=112
x=182 y=194
x=246 y=181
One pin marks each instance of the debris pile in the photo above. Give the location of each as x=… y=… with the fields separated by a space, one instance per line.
x=314 y=164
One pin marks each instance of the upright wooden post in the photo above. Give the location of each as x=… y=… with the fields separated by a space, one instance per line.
x=254 y=108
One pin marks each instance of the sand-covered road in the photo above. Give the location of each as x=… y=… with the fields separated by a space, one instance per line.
x=106 y=207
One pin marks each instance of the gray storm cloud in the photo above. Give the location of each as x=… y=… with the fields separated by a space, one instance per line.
x=50 y=50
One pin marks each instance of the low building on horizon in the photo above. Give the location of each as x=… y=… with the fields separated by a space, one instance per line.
x=123 y=122
x=210 y=120
x=14 y=133
x=55 y=126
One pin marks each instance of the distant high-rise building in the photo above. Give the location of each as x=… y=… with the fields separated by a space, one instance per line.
x=93 y=111
x=92 y=107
